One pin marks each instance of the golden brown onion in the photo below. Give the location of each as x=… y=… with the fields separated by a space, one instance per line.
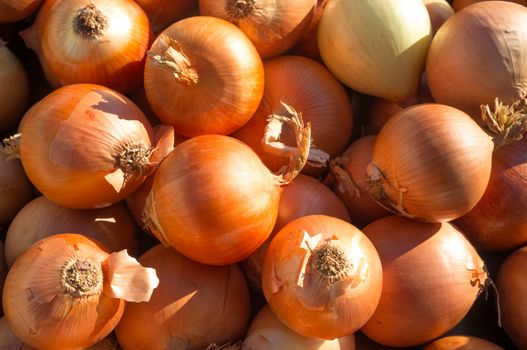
x=439 y=11
x=381 y=110
x=163 y=13
x=460 y=4
x=16 y=10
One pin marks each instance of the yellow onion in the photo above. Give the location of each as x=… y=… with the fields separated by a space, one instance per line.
x=432 y=162
x=431 y=278
x=439 y=11
x=460 y=4
x=213 y=199
x=194 y=306
x=512 y=287
x=268 y=333
x=91 y=41
x=40 y=218
x=380 y=111
x=68 y=292
x=462 y=342
x=203 y=76
x=14 y=91
x=313 y=91
x=272 y=26
x=479 y=55
x=15 y=188
x=304 y=196
x=85 y=146
x=376 y=47
x=163 y=13
x=307 y=46
x=16 y=10
x=322 y=277
x=348 y=181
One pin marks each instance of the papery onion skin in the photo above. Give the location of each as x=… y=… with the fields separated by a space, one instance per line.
x=268 y=333
x=14 y=91
x=431 y=278
x=462 y=342
x=430 y=162
x=307 y=46
x=15 y=188
x=85 y=146
x=194 y=306
x=304 y=196
x=111 y=53
x=272 y=26
x=499 y=221
x=489 y=37
x=16 y=10
x=352 y=38
x=35 y=305
x=220 y=80
x=314 y=92
x=439 y=11
x=40 y=218
x=314 y=303
x=460 y=4
x=163 y=13
x=233 y=212
x=512 y=288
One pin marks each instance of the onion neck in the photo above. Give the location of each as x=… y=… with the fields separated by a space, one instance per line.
x=239 y=9
x=330 y=262
x=82 y=278
x=90 y=23
x=507 y=123
x=133 y=158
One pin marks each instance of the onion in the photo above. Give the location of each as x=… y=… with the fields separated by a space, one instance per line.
x=439 y=11
x=488 y=37
x=353 y=37
x=512 y=286
x=307 y=46
x=237 y=203
x=311 y=89
x=41 y=218
x=462 y=342
x=499 y=221
x=424 y=170
x=322 y=277
x=194 y=306
x=304 y=196
x=163 y=13
x=67 y=292
x=91 y=41
x=272 y=26
x=431 y=278
x=85 y=146
x=203 y=76
x=268 y=333
x=16 y=10
x=3 y=271
x=459 y=4
x=14 y=91
x=381 y=110
x=15 y=188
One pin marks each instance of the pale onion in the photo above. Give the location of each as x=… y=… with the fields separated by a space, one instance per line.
x=313 y=91
x=499 y=221
x=307 y=46
x=85 y=146
x=15 y=188
x=203 y=76
x=512 y=287
x=272 y=26
x=322 y=277
x=40 y=218
x=16 y=10
x=380 y=111
x=14 y=91
x=268 y=333
x=68 y=292
x=237 y=203
x=432 y=162
x=431 y=278
x=439 y=11
x=376 y=47
x=304 y=196
x=460 y=4
x=194 y=306
x=478 y=55
x=348 y=181
x=91 y=41
x=462 y=342
x=163 y=13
